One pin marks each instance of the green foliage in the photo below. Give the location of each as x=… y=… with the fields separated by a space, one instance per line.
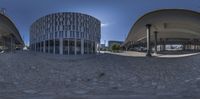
x=115 y=47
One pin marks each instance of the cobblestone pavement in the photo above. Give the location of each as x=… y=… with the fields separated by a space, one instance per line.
x=28 y=75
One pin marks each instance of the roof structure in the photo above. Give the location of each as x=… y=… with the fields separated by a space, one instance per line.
x=175 y=24
x=9 y=30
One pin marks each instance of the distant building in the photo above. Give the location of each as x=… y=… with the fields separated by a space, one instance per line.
x=3 y=11
x=66 y=33
x=110 y=43
x=102 y=46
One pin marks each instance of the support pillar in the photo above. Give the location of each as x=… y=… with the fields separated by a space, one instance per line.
x=39 y=46
x=41 y=49
x=75 y=45
x=48 y=46
x=54 y=46
x=96 y=50
x=87 y=47
x=184 y=47
x=155 y=46
x=164 y=47
x=44 y=46
x=35 y=44
x=12 y=44
x=196 y=46
x=148 y=30
x=11 y=41
x=68 y=46
x=4 y=44
x=188 y=47
x=61 y=46
x=82 y=46
x=92 y=51
x=193 y=47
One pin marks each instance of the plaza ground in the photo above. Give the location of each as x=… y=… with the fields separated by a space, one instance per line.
x=130 y=75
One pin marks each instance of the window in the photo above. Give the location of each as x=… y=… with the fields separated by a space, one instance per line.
x=71 y=34
x=56 y=33
x=77 y=34
x=60 y=33
x=65 y=33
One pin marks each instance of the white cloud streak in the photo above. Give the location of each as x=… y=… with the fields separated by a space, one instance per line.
x=104 y=24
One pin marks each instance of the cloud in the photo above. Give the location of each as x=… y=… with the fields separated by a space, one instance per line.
x=104 y=24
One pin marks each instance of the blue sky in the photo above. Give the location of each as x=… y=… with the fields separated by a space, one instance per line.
x=117 y=16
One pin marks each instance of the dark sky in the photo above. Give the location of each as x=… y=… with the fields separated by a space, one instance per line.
x=117 y=16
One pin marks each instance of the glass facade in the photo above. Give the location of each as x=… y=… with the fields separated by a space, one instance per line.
x=65 y=33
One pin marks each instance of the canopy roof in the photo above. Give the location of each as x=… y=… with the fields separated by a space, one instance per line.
x=169 y=23
x=7 y=28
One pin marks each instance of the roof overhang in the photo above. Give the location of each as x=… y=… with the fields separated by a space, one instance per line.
x=8 y=28
x=169 y=23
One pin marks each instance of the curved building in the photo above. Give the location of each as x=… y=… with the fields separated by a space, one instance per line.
x=167 y=26
x=10 y=38
x=65 y=33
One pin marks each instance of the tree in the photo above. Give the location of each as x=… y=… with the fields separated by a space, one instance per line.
x=115 y=47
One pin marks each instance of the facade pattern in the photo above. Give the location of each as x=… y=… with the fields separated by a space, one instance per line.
x=65 y=33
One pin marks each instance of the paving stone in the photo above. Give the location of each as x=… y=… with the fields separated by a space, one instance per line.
x=106 y=73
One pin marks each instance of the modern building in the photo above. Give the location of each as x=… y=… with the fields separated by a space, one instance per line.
x=66 y=33
x=163 y=27
x=111 y=43
x=10 y=38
